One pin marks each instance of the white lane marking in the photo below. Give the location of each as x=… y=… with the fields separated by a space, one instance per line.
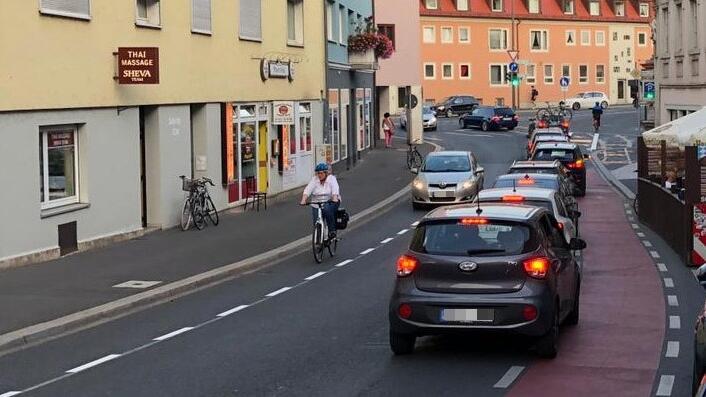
x=674 y=322
x=594 y=142
x=509 y=377
x=93 y=363
x=367 y=251
x=173 y=334
x=387 y=240
x=640 y=234
x=403 y=231
x=233 y=310
x=647 y=243
x=10 y=393
x=654 y=254
x=629 y=212
x=279 y=291
x=635 y=226
x=672 y=349
x=668 y=283
x=666 y=382
x=313 y=276
x=631 y=218
x=662 y=267
x=415 y=224
x=137 y=284
x=344 y=263
x=672 y=300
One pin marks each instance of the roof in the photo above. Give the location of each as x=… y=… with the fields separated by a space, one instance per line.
x=535 y=164
x=556 y=145
x=449 y=153
x=529 y=174
x=510 y=212
x=549 y=130
x=550 y=138
x=527 y=192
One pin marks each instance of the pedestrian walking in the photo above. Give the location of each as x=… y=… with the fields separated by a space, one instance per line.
x=388 y=127
x=533 y=96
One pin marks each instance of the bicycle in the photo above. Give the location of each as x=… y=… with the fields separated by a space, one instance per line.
x=319 y=236
x=198 y=204
x=414 y=158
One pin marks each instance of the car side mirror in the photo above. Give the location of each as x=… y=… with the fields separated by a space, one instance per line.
x=577 y=244
x=479 y=171
x=414 y=170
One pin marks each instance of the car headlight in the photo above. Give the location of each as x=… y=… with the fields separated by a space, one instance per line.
x=418 y=184
x=466 y=185
x=432 y=120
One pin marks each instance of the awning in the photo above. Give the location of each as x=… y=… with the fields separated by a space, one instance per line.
x=684 y=131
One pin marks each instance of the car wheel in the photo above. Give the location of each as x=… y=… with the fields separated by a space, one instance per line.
x=604 y=105
x=510 y=128
x=576 y=106
x=449 y=113
x=485 y=126
x=461 y=124
x=402 y=343
x=547 y=344
x=573 y=317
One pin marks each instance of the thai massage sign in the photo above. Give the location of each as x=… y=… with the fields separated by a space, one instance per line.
x=138 y=65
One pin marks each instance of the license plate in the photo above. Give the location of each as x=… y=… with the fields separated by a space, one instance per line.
x=443 y=193
x=467 y=315
x=507 y=118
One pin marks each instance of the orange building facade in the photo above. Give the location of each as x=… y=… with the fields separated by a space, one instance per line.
x=465 y=48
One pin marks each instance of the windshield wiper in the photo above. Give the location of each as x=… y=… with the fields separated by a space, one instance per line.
x=484 y=251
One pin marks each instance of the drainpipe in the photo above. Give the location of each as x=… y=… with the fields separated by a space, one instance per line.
x=324 y=96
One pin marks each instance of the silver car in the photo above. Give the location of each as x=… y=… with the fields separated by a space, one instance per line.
x=447 y=178
x=429 y=120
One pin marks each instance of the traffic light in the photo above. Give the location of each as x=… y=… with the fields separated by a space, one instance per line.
x=514 y=79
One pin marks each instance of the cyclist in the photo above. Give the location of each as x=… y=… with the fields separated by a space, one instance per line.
x=323 y=188
x=597 y=111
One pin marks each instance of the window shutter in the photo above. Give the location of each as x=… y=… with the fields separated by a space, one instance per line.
x=251 y=19
x=201 y=15
x=79 y=7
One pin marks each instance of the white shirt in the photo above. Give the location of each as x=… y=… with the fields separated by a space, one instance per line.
x=322 y=192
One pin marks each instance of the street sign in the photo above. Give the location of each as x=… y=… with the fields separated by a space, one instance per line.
x=513 y=67
x=513 y=54
x=564 y=81
x=648 y=90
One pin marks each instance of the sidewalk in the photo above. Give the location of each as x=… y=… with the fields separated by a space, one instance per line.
x=46 y=291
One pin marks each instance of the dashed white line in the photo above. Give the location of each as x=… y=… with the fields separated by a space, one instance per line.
x=647 y=243
x=173 y=334
x=668 y=282
x=672 y=349
x=662 y=267
x=629 y=212
x=594 y=142
x=279 y=291
x=403 y=231
x=672 y=300
x=387 y=240
x=640 y=234
x=674 y=322
x=344 y=263
x=654 y=254
x=93 y=363
x=10 y=393
x=631 y=218
x=634 y=225
x=415 y=224
x=509 y=377
x=666 y=382
x=233 y=310
x=367 y=251
x=313 y=276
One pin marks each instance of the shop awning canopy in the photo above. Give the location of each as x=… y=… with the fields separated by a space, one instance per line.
x=684 y=131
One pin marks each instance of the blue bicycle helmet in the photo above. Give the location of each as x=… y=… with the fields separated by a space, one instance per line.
x=321 y=167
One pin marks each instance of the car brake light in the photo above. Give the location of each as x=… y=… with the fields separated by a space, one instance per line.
x=576 y=165
x=515 y=117
x=405 y=310
x=560 y=225
x=473 y=221
x=542 y=124
x=495 y=118
x=513 y=198
x=565 y=124
x=525 y=181
x=537 y=267
x=406 y=265
x=529 y=312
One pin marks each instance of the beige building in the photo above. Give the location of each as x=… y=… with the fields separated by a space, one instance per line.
x=680 y=58
x=104 y=104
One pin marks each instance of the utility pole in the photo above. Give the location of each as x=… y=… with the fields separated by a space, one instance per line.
x=512 y=46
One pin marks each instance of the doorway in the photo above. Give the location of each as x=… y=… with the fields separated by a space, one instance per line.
x=143 y=178
x=621 y=89
x=262 y=171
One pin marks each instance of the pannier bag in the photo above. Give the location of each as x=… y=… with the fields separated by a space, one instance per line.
x=342 y=219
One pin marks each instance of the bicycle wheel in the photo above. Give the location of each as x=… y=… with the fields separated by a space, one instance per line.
x=316 y=247
x=416 y=158
x=567 y=113
x=186 y=217
x=211 y=211
x=199 y=218
x=543 y=114
x=333 y=246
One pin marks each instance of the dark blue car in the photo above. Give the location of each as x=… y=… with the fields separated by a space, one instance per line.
x=490 y=118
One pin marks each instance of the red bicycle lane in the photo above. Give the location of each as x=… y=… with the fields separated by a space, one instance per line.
x=616 y=347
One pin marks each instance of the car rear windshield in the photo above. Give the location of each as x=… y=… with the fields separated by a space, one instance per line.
x=525 y=182
x=453 y=238
x=552 y=170
x=447 y=164
x=554 y=154
x=502 y=112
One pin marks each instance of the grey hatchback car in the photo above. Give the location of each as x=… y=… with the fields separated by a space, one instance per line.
x=494 y=268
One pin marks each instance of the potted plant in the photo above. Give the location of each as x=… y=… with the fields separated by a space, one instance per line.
x=367 y=45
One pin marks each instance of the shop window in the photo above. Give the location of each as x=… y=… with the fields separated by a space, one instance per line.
x=201 y=16
x=148 y=12
x=360 y=117
x=246 y=111
x=368 y=115
x=583 y=74
x=58 y=166
x=295 y=22
x=345 y=111
x=497 y=39
x=251 y=19
x=389 y=31
x=66 y=8
x=332 y=135
x=305 y=127
x=600 y=74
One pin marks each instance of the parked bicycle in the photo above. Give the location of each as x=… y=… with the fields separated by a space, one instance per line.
x=414 y=158
x=554 y=113
x=198 y=204
x=319 y=236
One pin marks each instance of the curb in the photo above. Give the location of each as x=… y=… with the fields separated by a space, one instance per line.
x=610 y=178
x=16 y=340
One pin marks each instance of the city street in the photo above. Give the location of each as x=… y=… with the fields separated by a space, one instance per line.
x=302 y=329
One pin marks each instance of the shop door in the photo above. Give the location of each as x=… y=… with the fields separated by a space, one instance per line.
x=621 y=89
x=262 y=156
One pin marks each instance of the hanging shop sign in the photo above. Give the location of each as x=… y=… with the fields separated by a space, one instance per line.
x=276 y=69
x=137 y=65
x=283 y=113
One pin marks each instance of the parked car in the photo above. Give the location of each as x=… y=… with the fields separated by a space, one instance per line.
x=542 y=138
x=587 y=100
x=564 y=186
x=455 y=105
x=544 y=167
x=570 y=155
x=447 y=178
x=490 y=118
x=490 y=268
x=429 y=121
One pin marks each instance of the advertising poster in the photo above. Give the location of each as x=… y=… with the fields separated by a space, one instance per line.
x=698 y=255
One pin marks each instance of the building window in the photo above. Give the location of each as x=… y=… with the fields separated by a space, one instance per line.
x=644 y=10
x=58 y=166
x=295 y=22
x=533 y=6
x=497 y=74
x=530 y=74
x=664 y=29
x=694 y=25
x=497 y=5
x=429 y=34
x=629 y=51
x=642 y=39
x=568 y=6
x=665 y=69
x=539 y=40
x=679 y=21
x=447 y=71
x=619 y=9
x=566 y=70
x=148 y=12
x=594 y=8
x=600 y=38
x=432 y=4
x=251 y=19
x=329 y=19
x=68 y=8
x=464 y=71
x=447 y=34
x=464 y=35
x=616 y=69
x=342 y=25
x=583 y=74
x=626 y=37
x=695 y=66
x=600 y=74
x=615 y=36
x=389 y=31
x=201 y=16
x=680 y=68
x=462 y=5
x=497 y=39
x=548 y=74
x=585 y=37
x=429 y=71
x=571 y=37
x=332 y=136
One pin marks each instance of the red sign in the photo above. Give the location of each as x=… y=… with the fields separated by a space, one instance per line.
x=138 y=65
x=60 y=138
x=698 y=255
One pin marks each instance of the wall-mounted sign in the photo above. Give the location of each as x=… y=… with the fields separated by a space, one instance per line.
x=282 y=113
x=138 y=65
x=56 y=139
x=276 y=69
